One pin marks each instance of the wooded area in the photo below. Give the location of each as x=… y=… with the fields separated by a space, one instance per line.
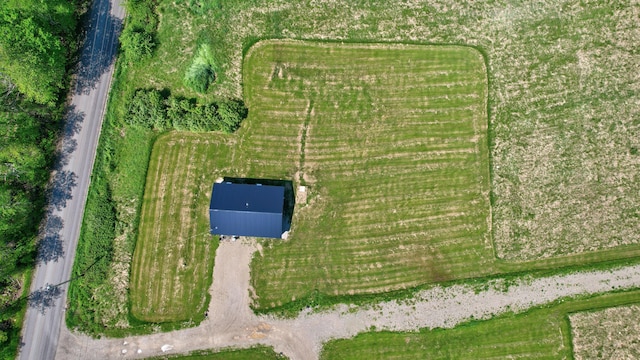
x=37 y=45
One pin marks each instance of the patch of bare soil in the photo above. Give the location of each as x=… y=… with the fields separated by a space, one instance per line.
x=231 y=323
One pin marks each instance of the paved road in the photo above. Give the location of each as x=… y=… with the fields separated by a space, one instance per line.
x=45 y=315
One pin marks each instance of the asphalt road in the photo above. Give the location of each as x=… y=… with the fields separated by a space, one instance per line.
x=45 y=314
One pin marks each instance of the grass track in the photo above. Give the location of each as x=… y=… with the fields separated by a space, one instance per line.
x=542 y=333
x=395 y=160
x=173 y=260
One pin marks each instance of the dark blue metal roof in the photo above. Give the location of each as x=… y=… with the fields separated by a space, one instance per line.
x=246 y=210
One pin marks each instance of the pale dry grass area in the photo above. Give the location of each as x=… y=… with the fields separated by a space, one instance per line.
x=612 y=333
x=114 y=312
x=564 y=101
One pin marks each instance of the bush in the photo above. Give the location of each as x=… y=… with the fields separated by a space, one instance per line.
x=138 y=36
x=201 y=73
x=150 y=110
x=142 y=15
x=231 y=114
x=137 y=44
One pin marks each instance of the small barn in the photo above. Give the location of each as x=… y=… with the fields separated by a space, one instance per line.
x=247 y=210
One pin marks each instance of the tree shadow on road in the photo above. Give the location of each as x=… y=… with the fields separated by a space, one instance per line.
x=61 y=188
x=43 y=299
x=74 y=120
x=50 y=247
x=94 y=60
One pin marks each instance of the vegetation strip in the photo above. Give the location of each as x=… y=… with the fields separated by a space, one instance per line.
x=254 y=353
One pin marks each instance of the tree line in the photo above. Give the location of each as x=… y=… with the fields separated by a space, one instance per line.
x=38 y=43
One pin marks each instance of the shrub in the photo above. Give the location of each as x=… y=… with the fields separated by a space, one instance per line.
x=149 y=109
x=231 y=114
x=137 y=44
x=138 y=36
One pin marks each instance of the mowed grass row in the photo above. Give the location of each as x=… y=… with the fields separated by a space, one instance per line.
x=173 y=259
x=391 y=142
x=255 y=353
x=542 y=333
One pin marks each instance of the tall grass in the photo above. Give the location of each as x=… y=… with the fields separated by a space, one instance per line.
x=201 y=74
x=98 y=294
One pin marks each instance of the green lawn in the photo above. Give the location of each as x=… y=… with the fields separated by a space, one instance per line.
x=173 y=260
x=394 y=157
x=390 y=141
x=542 y=333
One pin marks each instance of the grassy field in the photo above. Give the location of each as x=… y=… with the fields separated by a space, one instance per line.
x=393 y=152
x=173 y=260
x=397 y=196
x=563 y=92
x=542 y=333
x=612 y=333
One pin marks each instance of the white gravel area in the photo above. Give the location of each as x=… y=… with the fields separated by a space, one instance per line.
x=232 y=324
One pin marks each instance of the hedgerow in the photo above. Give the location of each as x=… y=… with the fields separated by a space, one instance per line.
x=149 y=109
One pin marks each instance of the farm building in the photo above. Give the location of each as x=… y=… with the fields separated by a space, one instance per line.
x=247 y=210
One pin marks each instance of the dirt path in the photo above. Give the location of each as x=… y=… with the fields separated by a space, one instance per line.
x=231 y=323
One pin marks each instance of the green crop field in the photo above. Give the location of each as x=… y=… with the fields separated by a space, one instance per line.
x=391 y=143
x=173 y=260
x=542 y=333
